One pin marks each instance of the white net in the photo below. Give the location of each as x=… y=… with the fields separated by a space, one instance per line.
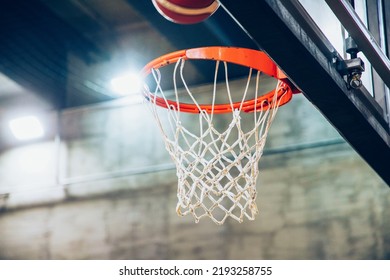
x=217 y=161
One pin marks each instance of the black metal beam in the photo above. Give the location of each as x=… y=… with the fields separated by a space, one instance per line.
x=273 y=27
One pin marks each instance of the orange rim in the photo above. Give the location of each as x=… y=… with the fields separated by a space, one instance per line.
x=246 y=57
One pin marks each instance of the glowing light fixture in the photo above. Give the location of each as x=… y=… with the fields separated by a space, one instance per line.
x=127 y=84
x=26 y=128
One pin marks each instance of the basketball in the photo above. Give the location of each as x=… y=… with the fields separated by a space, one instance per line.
x=186 y=11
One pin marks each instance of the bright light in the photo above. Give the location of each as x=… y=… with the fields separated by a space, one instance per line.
x=127 y=84
x=26 y=128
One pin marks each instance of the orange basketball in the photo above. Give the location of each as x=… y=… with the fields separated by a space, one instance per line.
x=186 y=11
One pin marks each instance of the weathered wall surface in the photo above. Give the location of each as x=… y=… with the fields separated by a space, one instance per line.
x=108 y=191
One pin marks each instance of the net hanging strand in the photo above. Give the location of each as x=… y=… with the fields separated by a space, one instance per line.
x=200 y=180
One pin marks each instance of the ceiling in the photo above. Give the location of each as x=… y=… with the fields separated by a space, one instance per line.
x=63 y=53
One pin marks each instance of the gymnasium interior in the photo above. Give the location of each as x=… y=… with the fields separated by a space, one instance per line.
x=95 y=181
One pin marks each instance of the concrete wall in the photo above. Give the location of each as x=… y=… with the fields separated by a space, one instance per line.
x=108 y=191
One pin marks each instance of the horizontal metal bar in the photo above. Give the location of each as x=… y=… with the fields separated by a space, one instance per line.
x=304 y=146
x=363 y=38
x=117 y=174
x=155 y=168
x=171 y=166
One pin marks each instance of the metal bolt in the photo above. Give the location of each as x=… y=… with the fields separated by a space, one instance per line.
x=355 y=81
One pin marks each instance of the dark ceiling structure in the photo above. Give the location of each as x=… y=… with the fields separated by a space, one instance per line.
x=38 y=39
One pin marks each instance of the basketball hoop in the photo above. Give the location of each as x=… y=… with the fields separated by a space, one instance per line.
x=217 y=165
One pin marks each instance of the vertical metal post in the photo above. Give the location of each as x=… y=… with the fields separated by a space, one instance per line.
x=383 y=44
